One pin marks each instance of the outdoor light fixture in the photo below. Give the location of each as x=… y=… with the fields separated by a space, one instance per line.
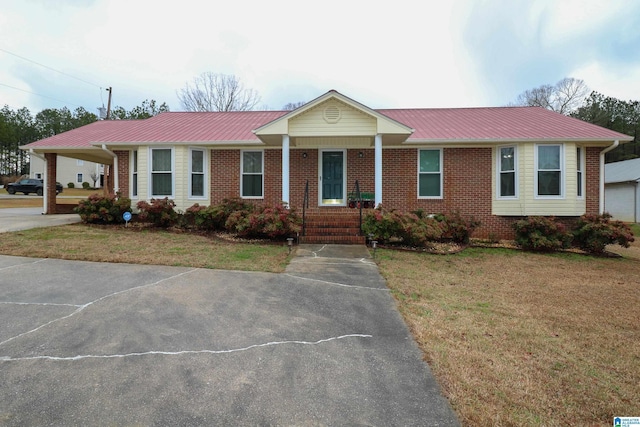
x=361 y=154
x=290 y=243
x=374 y=243
x=304 y=155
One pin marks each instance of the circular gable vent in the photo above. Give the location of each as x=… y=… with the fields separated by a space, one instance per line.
x=332 y=114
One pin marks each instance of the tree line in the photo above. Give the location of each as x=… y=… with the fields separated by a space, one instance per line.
x=571 y=97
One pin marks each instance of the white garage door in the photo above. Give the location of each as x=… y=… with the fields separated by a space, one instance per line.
x=619 y=201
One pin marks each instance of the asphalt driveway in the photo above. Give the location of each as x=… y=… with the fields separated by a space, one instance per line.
x=114 y=344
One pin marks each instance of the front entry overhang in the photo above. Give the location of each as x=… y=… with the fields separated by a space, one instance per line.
x=333 y=121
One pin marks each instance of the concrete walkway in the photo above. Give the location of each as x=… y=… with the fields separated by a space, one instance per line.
x=17 y=219
x=115 y=344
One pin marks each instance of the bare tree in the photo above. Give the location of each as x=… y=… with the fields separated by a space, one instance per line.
x=94 y=177
x=293 y=105
x=217 y=92
x=564 y=97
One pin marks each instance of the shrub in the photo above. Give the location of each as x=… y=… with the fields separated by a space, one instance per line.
x=86 y=185
x=542 y=234
x=160 y=212
x=71 y=185
x=456 y=228
x=265 y=221
x=413 y=229
x=383 y=224
x=593 y=233
x=206 y=217
x=101 y=209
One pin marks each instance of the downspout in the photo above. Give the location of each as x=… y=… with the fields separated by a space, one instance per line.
x=602 y=153
x=116 y=187
x=45 y=196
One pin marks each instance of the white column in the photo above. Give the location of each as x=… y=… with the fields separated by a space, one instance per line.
x=378 y=168
x=285 y=169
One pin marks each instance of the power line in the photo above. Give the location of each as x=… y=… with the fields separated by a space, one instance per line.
x=37 y=94
x=50 y=68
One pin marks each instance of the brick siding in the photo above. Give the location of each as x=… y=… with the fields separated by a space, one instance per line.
x=123 y=173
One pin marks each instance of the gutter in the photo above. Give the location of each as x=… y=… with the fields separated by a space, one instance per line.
x=602 y=153
x=116 y=187
x=45 y=197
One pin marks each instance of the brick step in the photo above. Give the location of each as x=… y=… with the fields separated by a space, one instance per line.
x=329 y=231
x=335 y=240
x=333 y=223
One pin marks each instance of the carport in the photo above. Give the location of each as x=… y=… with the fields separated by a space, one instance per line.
x=84 y=143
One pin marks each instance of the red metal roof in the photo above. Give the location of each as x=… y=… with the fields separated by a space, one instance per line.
x=497 y=123
x=441 y=125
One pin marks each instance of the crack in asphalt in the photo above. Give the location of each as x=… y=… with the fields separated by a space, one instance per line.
x=178 y=353
x=90 y=303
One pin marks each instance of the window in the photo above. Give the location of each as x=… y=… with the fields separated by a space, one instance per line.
x=161 y=172
x=79 y=178
x=549 y=164
x=251 y=165
x=197 y=173
x=80 y=162
x=38 y=176
x=580 y=162
x=134 y=173
x=507 y=175
x=430 y=174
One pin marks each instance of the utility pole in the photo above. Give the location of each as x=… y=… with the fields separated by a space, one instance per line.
x=109 y=103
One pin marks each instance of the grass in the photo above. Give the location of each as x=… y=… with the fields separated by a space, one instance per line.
x=34 y=201
x=525 y=339
x=148 y=246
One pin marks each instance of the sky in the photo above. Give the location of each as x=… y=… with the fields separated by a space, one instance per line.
x=383 y=54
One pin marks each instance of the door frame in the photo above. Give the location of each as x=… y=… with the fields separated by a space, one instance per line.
x=344 y=175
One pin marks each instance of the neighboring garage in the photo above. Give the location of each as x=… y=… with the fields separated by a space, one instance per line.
x=622 y=190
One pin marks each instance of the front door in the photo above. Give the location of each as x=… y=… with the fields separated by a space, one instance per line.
x=331 y=179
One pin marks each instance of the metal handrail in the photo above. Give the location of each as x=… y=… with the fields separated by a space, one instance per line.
x=305 y=205
x=356 y=191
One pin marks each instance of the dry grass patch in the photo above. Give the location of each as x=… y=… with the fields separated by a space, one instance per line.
x=517 y=338
x=149 y=246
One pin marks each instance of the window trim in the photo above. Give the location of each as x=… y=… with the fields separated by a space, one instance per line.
x=242 y=152
x=562 y=172
x=151 y=172
x=203 y=173
x=440 y=172
x=135 y=165
x=499 y=172
x=580 y=169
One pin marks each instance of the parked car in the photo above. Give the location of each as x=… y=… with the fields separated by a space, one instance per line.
x=27 y=186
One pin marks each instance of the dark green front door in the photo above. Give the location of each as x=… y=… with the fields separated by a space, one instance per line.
x=332 y=178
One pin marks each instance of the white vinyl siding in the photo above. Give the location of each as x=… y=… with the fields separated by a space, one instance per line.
x=430 y=174
x=252 y=174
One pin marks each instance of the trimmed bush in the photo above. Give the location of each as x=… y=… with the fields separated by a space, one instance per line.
x=593 y=233
x=101 y=209
x=71 y=185
x=160 y=212
x=86 y=185
x=264 y=222
x=417 y=228
x=456 y=228
x=542 y=234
